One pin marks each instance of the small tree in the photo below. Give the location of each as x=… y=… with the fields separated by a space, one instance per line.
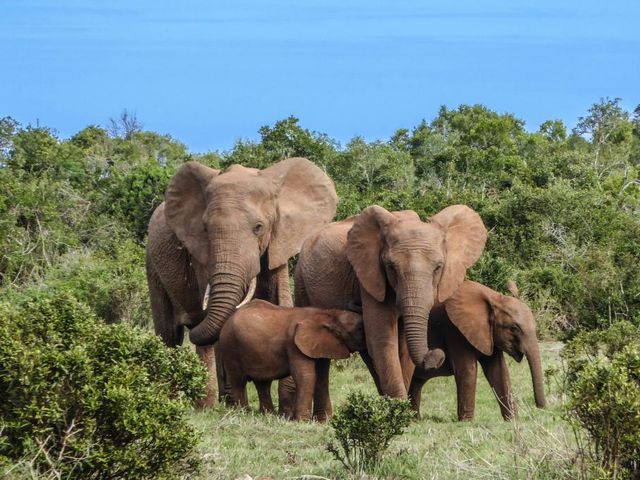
x=364 y=428
x=125 y=125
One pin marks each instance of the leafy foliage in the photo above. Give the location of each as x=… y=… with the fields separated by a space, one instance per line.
x=562 y=207
x=364 y=428
x=90 y=400
x=603 y=384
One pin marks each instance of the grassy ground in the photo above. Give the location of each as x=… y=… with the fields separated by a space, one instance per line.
x=537 y=445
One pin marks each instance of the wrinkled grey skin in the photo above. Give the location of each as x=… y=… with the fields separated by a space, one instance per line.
x=225 y=229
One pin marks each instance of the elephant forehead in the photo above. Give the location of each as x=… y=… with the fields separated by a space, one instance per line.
x=519 y=311
x=415 y=235
x=241 y=186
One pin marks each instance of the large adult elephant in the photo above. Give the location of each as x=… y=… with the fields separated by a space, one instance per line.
x=221 y=236
x=396 y=267
x=476 y=325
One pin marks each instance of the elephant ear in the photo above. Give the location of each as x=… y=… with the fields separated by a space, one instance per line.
x=469 y=309
x=364 y=242
x=316 y=340
x=466 y=236
x=306 y=201
x=185 y=204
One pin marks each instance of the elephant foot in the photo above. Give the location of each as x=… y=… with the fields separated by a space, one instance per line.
x=433 y=359
x=321 y=416
x=206 y=402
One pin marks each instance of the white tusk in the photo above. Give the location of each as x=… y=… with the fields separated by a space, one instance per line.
x=252 y=290
x=205 y=300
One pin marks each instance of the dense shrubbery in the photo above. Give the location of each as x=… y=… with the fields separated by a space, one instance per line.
x=84 y=399
x=364 y=427
x=562 y=207
x=603 y=385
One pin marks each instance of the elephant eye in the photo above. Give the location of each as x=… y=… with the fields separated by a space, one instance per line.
x=515 y=328
x=257 y=229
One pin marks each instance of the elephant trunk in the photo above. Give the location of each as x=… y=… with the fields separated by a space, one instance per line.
x=227 y=290
x=533 y=358
x=415 y=328
x=415 y=313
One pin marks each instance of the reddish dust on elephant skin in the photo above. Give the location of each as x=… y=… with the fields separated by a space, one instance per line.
x=476 y=325
x=263 y=342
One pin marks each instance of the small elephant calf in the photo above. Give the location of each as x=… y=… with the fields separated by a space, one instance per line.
x=476 y=325
x=262 y=342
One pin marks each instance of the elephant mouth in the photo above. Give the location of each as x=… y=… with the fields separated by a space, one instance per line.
x=250 y=291
x=518 y=356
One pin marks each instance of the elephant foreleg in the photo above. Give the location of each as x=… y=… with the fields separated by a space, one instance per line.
x=303 y=370
x=284 y=290
x=208 y=358
x=273 y=285
x=368 y=361
x=495 y=369
x=162 y=310
x=415 y=393
x=466 y=374
x=381 y=334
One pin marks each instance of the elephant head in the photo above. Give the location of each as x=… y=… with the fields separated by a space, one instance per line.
x=330 y=334
x=490 y=320
x=422 y=263
x=230 y=220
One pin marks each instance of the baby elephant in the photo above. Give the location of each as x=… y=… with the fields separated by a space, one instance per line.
x=262 y=342
x=474 y=325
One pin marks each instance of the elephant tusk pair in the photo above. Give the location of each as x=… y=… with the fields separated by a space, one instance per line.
x=252 y=290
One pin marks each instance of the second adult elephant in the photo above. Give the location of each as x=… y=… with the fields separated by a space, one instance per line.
x=396 y=266
x=218 y=233
x=476 y=325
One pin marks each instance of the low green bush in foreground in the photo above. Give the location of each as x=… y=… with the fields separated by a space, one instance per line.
x=603 y=387
x=364 y=428
x=84 y=399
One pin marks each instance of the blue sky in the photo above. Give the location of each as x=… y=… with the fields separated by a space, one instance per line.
x=209 y=72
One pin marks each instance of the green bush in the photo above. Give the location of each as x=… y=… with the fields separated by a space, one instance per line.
x=603 y=386
x=364 y=428
x=131 y=196
x=88 y=400
x=113 y=283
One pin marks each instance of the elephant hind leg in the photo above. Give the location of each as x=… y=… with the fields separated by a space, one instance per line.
x=165 y=322
x=286 y=397
x=264 y=395
x=322 y=408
